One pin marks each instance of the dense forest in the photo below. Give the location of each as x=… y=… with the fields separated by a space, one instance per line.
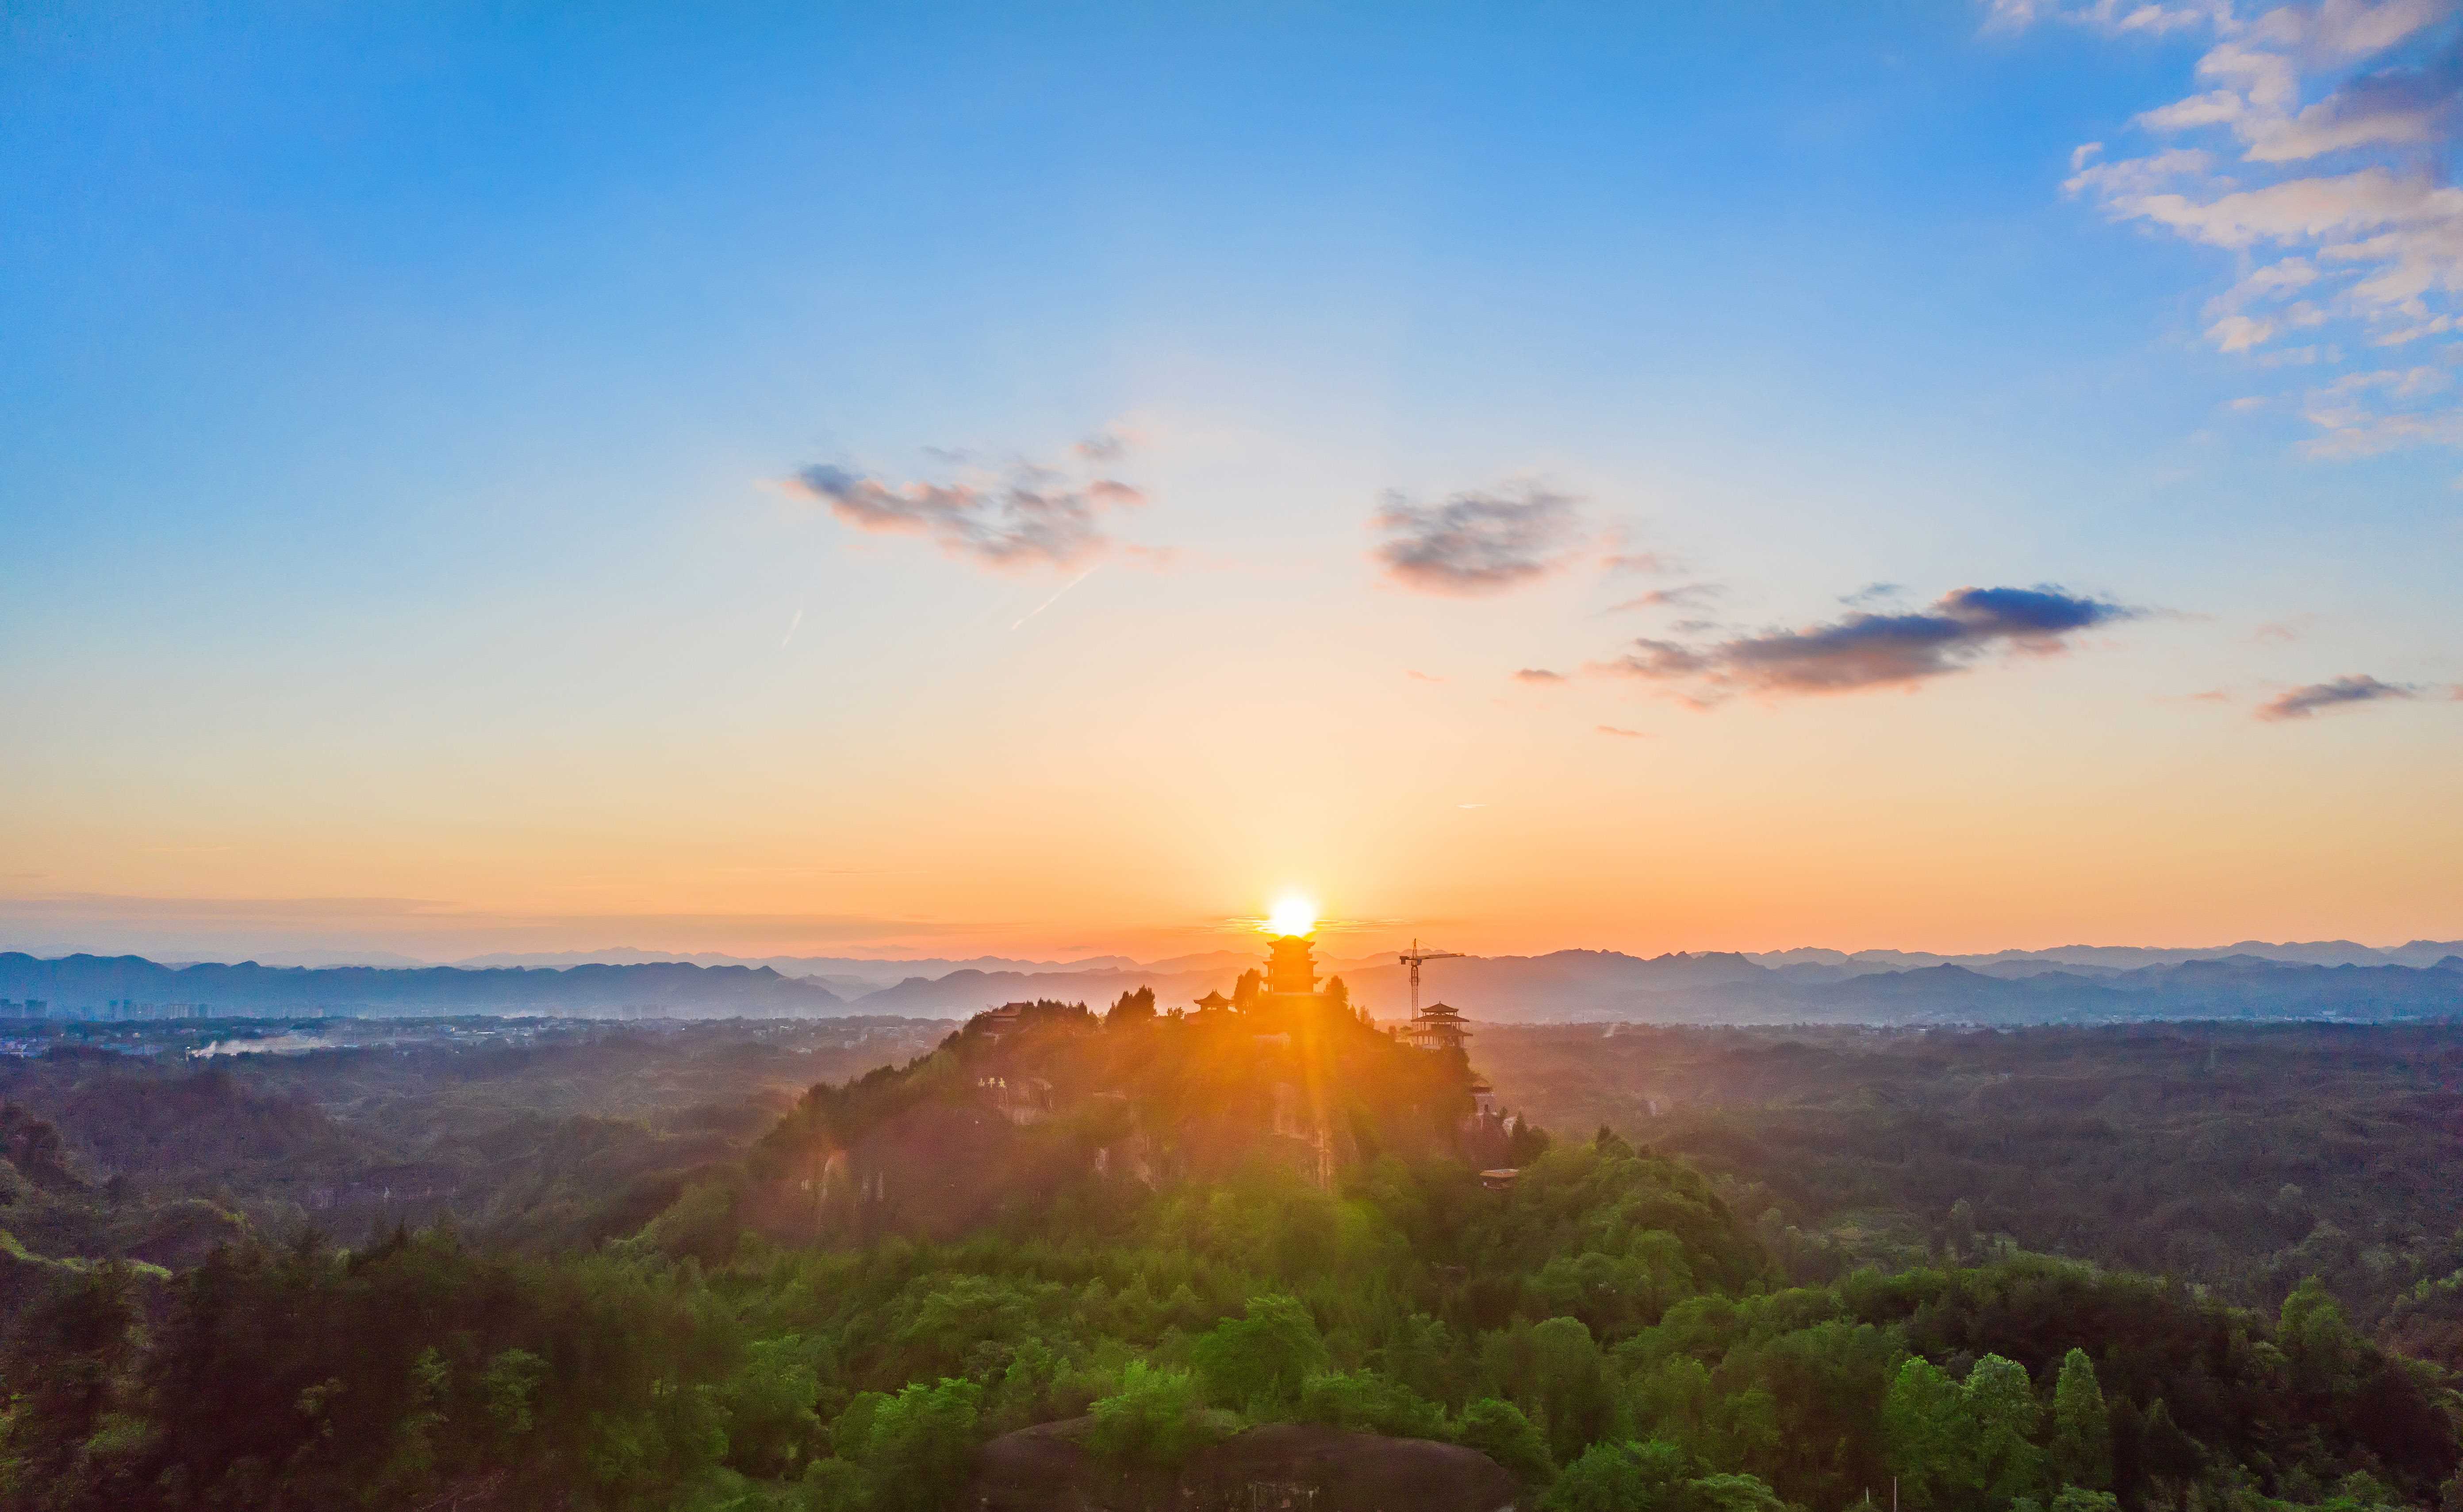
x=1158 y=1238
x=580 y=1133
x=2246 y=1159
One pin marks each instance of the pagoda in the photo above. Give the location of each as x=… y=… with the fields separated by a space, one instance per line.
x=1438 y=1028
x=1291 y=968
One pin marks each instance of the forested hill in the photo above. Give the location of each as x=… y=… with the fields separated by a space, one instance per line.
x=1118 y=1263
x=84 y=985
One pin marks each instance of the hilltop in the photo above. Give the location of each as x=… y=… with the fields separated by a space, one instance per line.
x=1046 y=1103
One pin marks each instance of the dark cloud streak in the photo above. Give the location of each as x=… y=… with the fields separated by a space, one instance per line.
x=1872 y=651
x=2301 y=703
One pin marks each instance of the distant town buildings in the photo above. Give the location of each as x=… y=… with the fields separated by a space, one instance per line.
x=123 y=1008
x=117 y=1010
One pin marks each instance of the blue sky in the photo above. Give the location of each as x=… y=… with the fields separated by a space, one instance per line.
x=401 y=407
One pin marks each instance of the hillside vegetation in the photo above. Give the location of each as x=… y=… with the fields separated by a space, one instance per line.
x=2246 y=1159
x=1157 y=1232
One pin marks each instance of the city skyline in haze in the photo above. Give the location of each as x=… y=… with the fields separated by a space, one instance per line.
x=826 y=481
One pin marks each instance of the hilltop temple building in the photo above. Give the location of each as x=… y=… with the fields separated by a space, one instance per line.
x=1438 y=1028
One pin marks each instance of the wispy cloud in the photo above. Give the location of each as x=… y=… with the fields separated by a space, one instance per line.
x=1684 y=596
x=1616 y=729
x=1477 y=541
x=1872 y=651
x=2145 y=17
x=2301 y=703
x=1539 y=675
x=1109 y=444
x=1655 y=563
x=2326 y=130
x=1026 y=516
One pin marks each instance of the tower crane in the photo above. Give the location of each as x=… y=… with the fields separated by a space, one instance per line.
x=1413 y=957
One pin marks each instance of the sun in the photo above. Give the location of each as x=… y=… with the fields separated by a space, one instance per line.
x=1293 y=915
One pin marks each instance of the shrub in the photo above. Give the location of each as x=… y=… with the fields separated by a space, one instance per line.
x=1498 y=1430
x=1158 y=1416
x=1368 y=1402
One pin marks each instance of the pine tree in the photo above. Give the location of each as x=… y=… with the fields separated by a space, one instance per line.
x=2082 y=1426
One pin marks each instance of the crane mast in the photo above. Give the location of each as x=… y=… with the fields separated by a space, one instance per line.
x=1413 y=957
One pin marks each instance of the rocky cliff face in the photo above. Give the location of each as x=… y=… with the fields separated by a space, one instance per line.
x=1286 y=1467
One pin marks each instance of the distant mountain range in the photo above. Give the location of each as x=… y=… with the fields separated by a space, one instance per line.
x=2329 y=979
x=85 y=987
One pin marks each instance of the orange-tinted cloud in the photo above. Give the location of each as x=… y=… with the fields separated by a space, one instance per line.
x=1477 y=542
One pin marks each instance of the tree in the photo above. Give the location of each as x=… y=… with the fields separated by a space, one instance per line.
x=1963 y=1446
x=771 y=1428
x=2081 y=1448
x=1134 y=1008
x=1569 y=1386
x=1337 y=995
x=1260 y=1359
x=1497 y=1429
x=1156 y=1418
x=61 y=1372
x=1246 y=991
x=921 y=1446
x=1646 y=1477
x=2001 y=1414
x=1923 y=1426
x=509 y=1386
x=1732 y=1493
x=2311 y=1330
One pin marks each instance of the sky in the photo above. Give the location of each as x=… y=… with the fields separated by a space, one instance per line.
x=924 y=480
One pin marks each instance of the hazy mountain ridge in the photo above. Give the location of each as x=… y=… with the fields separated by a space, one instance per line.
x=84 y=985
x=2122 y=957
x=1562 y=985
